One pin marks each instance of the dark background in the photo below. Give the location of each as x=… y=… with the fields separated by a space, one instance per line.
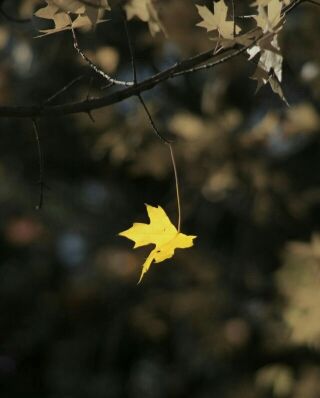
x=235 y=316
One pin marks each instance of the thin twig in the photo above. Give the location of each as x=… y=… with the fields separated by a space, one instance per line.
x=245 y=16
x=106 y=86
x=154 y=127
x=217 y=48
x=94 y=66
x=131 y=50
x=214 y=63
x=64 y=89
x=41 y=164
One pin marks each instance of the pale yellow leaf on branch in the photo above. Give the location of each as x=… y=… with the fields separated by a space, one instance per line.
x=269 y=20
x=218 y=20
x=87 y=14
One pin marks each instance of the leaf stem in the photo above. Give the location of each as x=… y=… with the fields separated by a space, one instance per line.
x=152 y=122
x=176 y=179
x=41 y=166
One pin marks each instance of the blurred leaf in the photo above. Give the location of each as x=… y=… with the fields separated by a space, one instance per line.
x=298 y=281
x=147 y=11
x=279 y=379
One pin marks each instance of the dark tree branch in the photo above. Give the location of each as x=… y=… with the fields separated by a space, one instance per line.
x=189 y=65
x=64 y=89
x=110 y=99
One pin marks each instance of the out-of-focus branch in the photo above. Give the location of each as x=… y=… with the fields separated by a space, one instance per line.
x=9 y=17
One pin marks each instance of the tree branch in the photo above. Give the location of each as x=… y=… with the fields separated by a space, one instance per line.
x=189 y=65
x=110 y=99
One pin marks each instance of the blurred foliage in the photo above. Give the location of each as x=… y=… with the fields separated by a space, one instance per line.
x=235 y=316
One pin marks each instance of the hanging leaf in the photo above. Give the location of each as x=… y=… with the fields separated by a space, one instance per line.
x=160 y=232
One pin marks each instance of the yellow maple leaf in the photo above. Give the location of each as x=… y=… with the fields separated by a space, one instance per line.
x=218 y=20
x=160 y=232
